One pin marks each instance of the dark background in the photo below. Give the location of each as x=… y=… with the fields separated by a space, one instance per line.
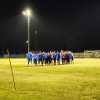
x=60 y=24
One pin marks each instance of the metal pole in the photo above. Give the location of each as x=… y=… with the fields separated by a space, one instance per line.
x=12 y=73
x=28 y=33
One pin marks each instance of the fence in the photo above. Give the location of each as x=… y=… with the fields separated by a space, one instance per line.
x=88 y=54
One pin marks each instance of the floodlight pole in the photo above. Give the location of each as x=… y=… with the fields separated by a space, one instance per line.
x=28 y=18
x=27 y=13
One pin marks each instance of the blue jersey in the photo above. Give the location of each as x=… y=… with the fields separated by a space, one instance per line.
x=29 y=55
x=57 y=55
x=45 y=55
x=35 y=56
x=40 y=56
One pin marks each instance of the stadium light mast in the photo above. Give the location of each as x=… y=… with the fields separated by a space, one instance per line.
x=28 y=13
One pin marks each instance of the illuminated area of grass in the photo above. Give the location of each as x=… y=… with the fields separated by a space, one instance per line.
x=78 y=81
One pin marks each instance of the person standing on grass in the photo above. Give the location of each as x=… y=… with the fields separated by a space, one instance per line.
x=54 y=57
x=29 y=56
x=58 y=57
x=63 y=56
x=35 y=57
x=41 y=58
x=46 y=58
x=49 y=58
x=71 y=56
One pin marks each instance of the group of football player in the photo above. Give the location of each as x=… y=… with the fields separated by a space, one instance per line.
x=50 y=57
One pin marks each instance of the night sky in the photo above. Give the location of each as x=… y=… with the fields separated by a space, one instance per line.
x=60 y=24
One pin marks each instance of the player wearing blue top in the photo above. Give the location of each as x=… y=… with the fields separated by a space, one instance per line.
x=46 y=58
x=35 y=58
x=58 y=57
x=29 y=57
x=41 y=58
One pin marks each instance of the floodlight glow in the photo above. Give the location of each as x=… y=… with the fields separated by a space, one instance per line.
x=24 y=13
x=27 y=12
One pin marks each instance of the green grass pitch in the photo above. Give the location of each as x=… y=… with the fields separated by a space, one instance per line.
x=78 y=81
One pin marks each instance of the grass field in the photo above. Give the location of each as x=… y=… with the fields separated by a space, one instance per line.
x=78 y=81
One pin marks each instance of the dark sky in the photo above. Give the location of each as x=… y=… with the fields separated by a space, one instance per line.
x=60 y=24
